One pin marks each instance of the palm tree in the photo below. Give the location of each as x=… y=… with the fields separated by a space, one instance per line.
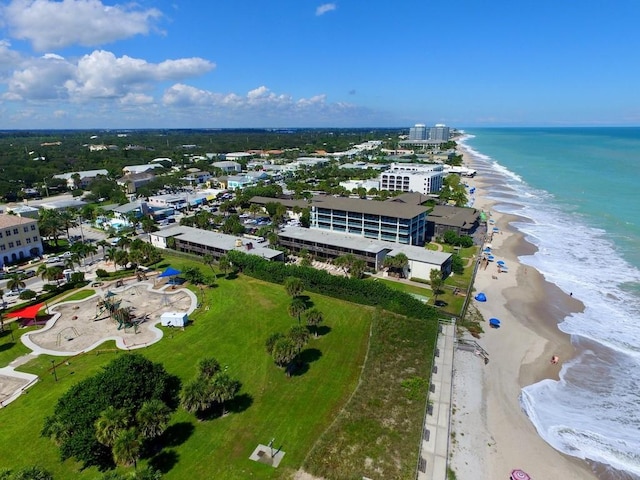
x=209 y=260
x=102 y=243
x=15 y=282
x=69 y=219
x=224 y=389
x=195 y=396
x=50 y=224
x=126 y=448
x=224 y=264
x=314 y=318
x=296 y=307
x=299 y=335
x=153 y=418
x=284 y=351
x=294 y=286
x=254 y=209
x=111 y=256
x=111 y=422
x=271 y=342
x=124 y=242
x=122 y=258
x=208 y=367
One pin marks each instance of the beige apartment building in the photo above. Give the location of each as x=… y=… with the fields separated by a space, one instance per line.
x=19 y=239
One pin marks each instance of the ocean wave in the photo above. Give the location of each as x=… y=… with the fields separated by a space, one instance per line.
x=592 y=412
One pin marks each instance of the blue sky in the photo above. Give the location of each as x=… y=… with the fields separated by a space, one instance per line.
x=307 y=63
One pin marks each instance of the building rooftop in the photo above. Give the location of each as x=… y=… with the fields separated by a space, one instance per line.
x=453 y=216
x=217 y=240
x=389 y=209
x=14 y=220
x=356 y=242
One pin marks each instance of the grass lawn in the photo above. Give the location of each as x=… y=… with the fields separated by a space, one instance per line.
x=407 y=288
x=379 y=432
x=12 y=348
x=237 y=317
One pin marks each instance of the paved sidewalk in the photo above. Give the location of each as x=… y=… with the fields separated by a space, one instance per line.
x=435 y=436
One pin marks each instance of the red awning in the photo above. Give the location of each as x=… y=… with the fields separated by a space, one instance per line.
x=27 y=312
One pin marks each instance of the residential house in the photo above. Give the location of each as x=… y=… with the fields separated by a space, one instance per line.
x=81 y=179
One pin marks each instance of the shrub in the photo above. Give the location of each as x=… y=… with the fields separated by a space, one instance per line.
x=27 y=294
x=102 y=273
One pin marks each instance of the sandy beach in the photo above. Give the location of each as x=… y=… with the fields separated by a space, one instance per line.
x=491 y=435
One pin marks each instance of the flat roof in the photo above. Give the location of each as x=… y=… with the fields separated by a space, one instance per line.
x=284 y=201
x=356 y=242
x=217 y=240
x=389 y=209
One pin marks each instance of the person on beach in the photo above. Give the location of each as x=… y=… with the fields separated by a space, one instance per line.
x=554 y=359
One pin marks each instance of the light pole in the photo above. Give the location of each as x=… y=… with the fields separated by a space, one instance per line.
x=53 y=366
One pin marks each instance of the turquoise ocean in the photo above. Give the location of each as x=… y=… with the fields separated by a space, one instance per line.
x=577 y=191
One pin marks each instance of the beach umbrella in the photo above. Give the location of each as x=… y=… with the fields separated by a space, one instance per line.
x=519 y=475
x=481 y=297
x=500 y=262
x=487 y=250
x=491 y=258
x=496 y=229
x=494 y=322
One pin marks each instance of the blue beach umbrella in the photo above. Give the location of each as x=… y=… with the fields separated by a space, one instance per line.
x=481 y=297
x=491 y=258
x=496 y=229
x=494 y=322
x=500 y=262
x=487 y=250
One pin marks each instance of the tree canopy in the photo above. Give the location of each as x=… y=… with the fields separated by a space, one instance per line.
x=124 y=384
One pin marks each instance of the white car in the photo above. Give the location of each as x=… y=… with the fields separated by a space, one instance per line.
x=12 y=294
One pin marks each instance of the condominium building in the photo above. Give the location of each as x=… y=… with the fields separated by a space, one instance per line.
x=420 y=178
x=439 y=132
x=19 y=239
x=418 y=132
x=391 y=221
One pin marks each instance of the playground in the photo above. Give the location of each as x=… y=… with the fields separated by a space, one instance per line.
x=127 y=314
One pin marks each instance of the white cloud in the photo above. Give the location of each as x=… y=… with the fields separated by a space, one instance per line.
x=324 y=8
x=99 y=74
x=8 y=58
x=259 y=106
x=136 y=99
x=51 y=24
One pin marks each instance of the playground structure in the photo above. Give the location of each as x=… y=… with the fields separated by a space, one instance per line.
x=127 y=315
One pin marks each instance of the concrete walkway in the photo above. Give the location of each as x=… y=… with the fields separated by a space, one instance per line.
x=434 y=454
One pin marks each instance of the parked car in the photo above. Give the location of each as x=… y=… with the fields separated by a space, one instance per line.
x=12 y=294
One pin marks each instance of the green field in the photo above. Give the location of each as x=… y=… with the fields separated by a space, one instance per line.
x=237 y=318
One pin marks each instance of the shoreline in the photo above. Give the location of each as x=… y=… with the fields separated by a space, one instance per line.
x=491 y=434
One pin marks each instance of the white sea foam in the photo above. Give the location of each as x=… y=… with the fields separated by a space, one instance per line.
x=593 y=411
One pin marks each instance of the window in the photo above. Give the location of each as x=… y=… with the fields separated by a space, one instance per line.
x=33 y=227
x=15 y=231
x=10 y=244
x=25 y=229
x=2 y=247
x=7 y=233
x=0 y=234
x=35 y=238
x=18 y=243
x=28 y=240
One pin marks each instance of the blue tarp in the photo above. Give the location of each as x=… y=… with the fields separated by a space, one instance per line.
x=481 y=297
x=169 y=272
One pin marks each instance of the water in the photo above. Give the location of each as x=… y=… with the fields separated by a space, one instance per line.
x=577 y=191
